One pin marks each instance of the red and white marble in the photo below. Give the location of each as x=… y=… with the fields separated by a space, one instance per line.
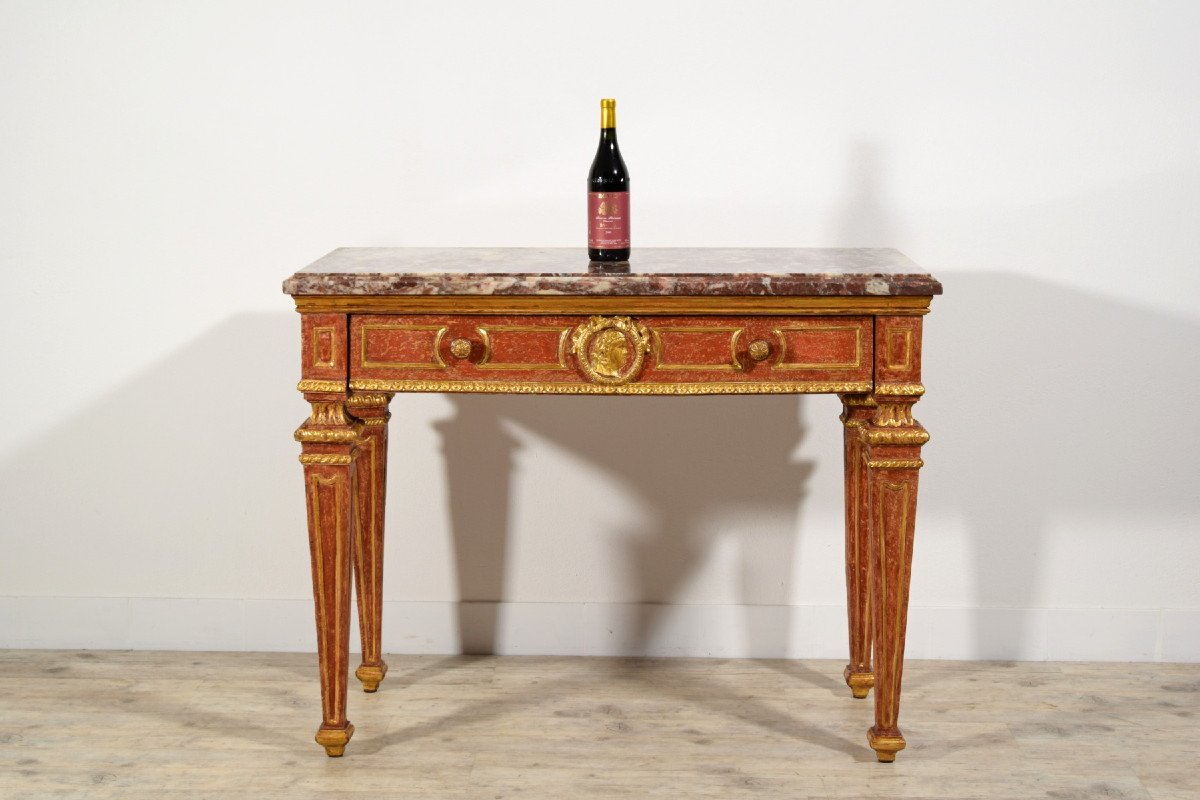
x=664 y=271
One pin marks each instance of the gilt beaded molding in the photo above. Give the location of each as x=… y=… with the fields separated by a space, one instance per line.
x=310 y=385
x=326 y=459
x=547 y=387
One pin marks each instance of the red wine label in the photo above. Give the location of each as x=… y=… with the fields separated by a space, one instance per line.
x=608 y=220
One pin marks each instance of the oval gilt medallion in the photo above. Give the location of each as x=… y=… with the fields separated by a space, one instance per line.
x=610 y=350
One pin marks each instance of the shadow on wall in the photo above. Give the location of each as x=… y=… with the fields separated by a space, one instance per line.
x=165 y=475
x=863 y=219
x=161 y=485
x=1045 y=400
x=1045 y=403
x=684 y=459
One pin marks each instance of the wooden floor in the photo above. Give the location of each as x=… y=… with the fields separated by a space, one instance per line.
x=103 y=724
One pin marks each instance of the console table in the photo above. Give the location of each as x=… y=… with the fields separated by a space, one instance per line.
x=376 y=321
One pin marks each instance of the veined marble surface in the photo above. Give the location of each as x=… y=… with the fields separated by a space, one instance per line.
x=654 y=271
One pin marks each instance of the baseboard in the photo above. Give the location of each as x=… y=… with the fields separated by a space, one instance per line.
x=602 y=629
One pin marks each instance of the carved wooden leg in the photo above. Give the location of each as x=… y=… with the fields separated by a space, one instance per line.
x=892 y=456
x=372 y=411
x=857 y=410
x=328 y=438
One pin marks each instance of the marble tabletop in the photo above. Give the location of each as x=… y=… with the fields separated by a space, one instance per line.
x=730 y=272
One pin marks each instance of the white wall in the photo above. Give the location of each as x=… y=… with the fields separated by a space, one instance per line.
x=163 y=166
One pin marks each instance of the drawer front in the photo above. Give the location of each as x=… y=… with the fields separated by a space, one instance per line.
x=610 y=354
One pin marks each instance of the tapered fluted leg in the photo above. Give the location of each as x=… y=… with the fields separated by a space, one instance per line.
x=372 y=411
x=329 y=440
x=857 y=410
x=892 y=457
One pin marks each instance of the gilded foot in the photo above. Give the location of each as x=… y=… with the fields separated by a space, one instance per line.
x=371 y=675
x=334 y=739
x=859 y=682
x=885 y=745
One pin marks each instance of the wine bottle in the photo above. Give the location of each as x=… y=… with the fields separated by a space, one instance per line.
x=608 y=194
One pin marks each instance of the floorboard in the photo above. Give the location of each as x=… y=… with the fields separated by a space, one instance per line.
x=117 y=724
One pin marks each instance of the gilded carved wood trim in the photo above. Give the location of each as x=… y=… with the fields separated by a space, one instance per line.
x=601 y=304
x=547 y=387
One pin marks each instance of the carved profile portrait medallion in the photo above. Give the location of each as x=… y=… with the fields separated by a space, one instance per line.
x=610 y=350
